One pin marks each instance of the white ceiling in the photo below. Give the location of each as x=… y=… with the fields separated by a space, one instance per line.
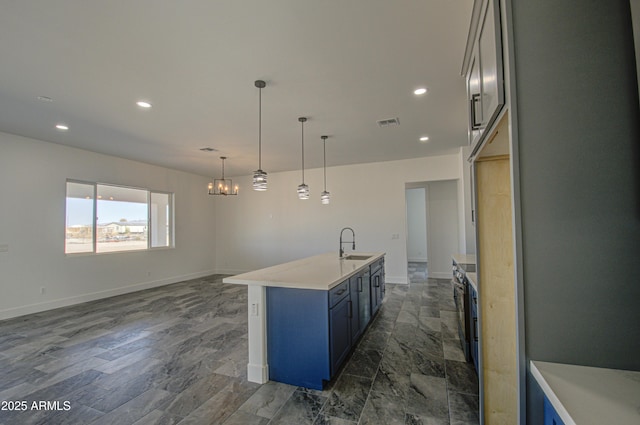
x=344 y=64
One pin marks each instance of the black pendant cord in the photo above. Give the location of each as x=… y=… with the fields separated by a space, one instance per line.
x=302 y=152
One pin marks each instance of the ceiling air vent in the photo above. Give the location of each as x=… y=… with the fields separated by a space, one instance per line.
x=208 y=149
x=389 y=122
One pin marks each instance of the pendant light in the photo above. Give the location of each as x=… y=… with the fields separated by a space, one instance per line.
x=303 y=189
x=222 y=186
x=259 y=176
x=324 y=196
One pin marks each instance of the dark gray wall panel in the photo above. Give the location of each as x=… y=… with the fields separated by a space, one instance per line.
x=578 y=135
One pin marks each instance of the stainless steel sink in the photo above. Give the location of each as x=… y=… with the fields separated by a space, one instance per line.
x=356 y=257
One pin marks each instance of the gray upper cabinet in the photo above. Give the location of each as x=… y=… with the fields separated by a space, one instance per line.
x=483 y=68
x=475 y=99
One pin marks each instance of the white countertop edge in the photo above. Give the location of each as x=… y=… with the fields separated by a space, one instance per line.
x=551 y=395
x=464 y=258
x=472 y=278
x=239 y=280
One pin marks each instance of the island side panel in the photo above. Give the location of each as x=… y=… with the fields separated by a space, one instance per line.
x=257 y=368
x=298 y=332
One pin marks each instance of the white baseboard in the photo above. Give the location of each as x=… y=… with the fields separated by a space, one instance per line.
x=257 y=373
x=396 y=279
x=65 y=302
x=232 y=271
x=417 y=260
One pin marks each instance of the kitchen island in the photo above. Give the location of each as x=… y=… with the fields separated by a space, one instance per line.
x=305 y=316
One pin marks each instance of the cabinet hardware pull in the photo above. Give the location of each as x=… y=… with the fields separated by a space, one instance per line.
x=377 y=280
x=475 y=98
x=475 y=329
x=350 y=303
x=342 y=291
x=359 y=283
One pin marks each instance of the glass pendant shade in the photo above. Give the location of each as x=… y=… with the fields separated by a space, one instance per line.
x=324 y=197
x=303 y=191
x=259 y=180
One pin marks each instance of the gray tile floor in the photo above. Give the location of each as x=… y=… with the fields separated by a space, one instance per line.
x=178 y=354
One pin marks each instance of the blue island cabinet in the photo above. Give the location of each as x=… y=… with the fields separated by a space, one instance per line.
x=298 y=336
x=309 y=334
x=551 y=417
x=377 y=285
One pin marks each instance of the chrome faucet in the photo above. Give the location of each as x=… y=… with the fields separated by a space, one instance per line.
x=353 y=241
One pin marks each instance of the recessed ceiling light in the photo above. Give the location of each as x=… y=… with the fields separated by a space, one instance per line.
x=44 y=99
x=424 y=139
x=62 y=127
x=143 y=104
x=420 y=91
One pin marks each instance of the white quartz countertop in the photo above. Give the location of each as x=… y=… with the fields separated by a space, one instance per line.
x=585 y=395
x=464 y=258
x=472 y=278
x=320 y=272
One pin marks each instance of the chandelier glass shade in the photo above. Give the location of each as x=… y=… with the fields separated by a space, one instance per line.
x=259 y=176
x=222 y=186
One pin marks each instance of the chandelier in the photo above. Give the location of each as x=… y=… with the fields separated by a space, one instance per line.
x=222 y=186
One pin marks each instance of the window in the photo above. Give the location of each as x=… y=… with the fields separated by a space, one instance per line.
x=79 y=229
x=107 y=218
x=160 y=214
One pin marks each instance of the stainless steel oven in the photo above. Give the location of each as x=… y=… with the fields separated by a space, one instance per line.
x=461 y=298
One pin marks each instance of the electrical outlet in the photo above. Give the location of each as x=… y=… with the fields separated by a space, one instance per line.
x=254 y=309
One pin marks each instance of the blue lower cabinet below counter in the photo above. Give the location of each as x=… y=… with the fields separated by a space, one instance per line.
x=551 y=417
x=311 y=332
x=474 y=332
x=298 y=332
x=306 y=315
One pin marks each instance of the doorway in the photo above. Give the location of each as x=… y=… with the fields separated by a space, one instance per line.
x=417 y=260
x=432 y=228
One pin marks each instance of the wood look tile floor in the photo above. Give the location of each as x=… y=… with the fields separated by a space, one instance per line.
x=177 y=355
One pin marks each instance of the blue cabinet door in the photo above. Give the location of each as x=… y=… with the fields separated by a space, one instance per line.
x=551 y=417
x=354 y=293
x=339 y=333
x=298 y=336
x=474 y=334
x=364 y=301
x=377 y=289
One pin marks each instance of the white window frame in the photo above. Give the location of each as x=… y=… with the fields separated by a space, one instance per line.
x=149 y=192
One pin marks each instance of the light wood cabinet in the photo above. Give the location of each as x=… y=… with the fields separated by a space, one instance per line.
x=496 y=290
